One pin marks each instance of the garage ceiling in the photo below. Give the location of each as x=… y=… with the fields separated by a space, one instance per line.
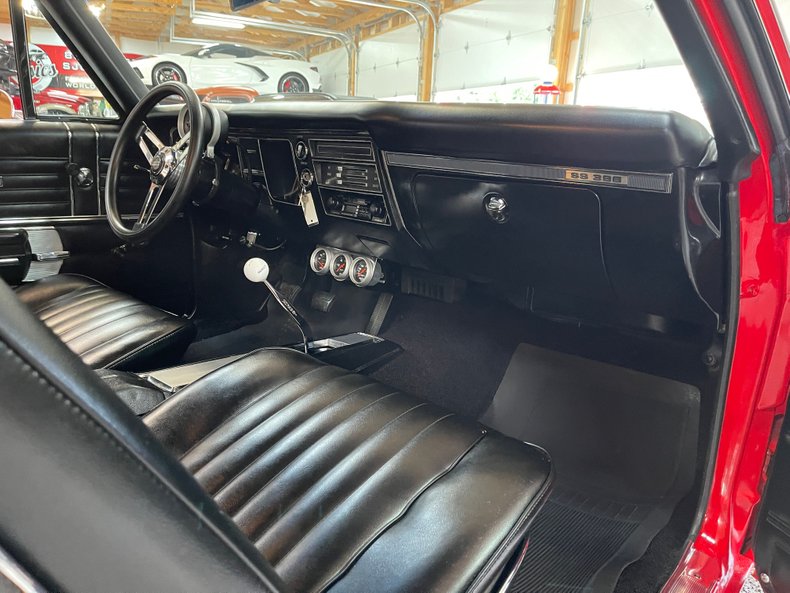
x=155 y=20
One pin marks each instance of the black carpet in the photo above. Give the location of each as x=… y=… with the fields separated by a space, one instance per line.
x=456 y=355
x=453 y=355
x=623 y=444
x=350 y=313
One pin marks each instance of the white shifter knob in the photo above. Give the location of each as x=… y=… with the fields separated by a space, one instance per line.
x=256 y=270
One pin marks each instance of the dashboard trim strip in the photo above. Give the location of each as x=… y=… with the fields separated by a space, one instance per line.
x=49 y=220
x=633 y=180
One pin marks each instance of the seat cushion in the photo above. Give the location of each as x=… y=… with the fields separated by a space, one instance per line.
x=344 y=484
x=106 y=328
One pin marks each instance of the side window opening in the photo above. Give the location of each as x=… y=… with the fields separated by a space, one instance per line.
x=59 y=83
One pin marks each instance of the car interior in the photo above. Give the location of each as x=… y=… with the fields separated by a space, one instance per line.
x=359 y=345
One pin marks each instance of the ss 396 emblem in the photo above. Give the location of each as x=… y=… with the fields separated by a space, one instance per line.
x=581 y=176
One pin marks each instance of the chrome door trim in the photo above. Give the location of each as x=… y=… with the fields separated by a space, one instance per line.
x=17 y=575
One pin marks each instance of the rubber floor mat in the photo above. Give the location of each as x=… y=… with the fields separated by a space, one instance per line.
x=623 y=444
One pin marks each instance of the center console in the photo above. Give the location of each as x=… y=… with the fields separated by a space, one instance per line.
x=344 y=173
x=355 y=352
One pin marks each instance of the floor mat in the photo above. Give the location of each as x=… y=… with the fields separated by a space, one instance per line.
x=623 y=445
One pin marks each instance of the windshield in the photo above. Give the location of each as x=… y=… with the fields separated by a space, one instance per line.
x=615 y=53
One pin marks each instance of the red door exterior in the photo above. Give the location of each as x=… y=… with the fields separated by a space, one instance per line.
x=719 y=559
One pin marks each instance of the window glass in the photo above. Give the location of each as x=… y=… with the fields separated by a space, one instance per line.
x=10 y=103
x=630 y=60
x=586 y=52
x=60 y=84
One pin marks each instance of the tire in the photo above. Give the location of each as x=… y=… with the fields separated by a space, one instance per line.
x=54 y=110
x=293 y=82
x=166 y=72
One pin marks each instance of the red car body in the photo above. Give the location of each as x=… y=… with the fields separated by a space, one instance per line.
x=55 y=102
x=719 y=559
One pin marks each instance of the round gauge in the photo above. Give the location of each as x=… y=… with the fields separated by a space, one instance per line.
x=366 y=271
x=183 y=121
x=360 y=270
x=340 y=266
x=320 y=260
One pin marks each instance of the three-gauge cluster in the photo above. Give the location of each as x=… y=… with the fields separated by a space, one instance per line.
x=360 y=269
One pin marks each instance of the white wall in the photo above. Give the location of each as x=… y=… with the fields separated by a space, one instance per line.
x=146 y=47
x=389 y=64
x=494 y=42
x=490 y=43
x=37 y=34
x=630 y=60
x=333 y=67
x=626 y=35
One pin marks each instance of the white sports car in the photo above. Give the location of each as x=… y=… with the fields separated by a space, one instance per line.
x=230 y=64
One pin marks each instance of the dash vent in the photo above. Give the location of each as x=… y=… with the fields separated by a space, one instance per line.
x=346 y=150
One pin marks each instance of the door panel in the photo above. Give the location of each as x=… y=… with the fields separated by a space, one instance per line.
x=64 y=218
x=33 y=169
x=39 y=161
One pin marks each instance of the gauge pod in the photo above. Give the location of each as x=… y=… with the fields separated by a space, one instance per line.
x=341 y=264
x=366 y=271
x=182 y=123
x=321 y=259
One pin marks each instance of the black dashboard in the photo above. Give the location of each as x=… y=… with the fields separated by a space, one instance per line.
x=598 y=211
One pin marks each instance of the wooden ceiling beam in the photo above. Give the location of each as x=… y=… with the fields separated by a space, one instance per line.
x=290 y=9
x=139 y=8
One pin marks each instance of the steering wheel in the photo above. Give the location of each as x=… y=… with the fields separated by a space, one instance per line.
x=172 y=169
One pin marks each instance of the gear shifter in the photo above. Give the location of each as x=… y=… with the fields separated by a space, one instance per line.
x=257 y=270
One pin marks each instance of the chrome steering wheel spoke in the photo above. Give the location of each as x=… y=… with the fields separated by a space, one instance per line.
x=149 y=206
x=152 y=137
x=147 y=133
x=183 y=142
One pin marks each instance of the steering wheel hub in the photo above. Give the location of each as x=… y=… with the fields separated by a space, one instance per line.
x=163 y=164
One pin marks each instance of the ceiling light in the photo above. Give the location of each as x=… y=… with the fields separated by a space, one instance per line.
x=308 y=13
x=323 y=3
x=30 y=8
x=217 y=22
x=274 y=8
x=96 y=9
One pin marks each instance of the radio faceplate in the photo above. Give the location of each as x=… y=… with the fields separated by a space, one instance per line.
x=363 y=207
x=349 y=180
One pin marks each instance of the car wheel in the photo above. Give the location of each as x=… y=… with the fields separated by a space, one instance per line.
x=293 y=82
x=168 y=72
x=54 y=110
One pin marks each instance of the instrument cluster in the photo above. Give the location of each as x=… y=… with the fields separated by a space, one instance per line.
x=343 y=265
